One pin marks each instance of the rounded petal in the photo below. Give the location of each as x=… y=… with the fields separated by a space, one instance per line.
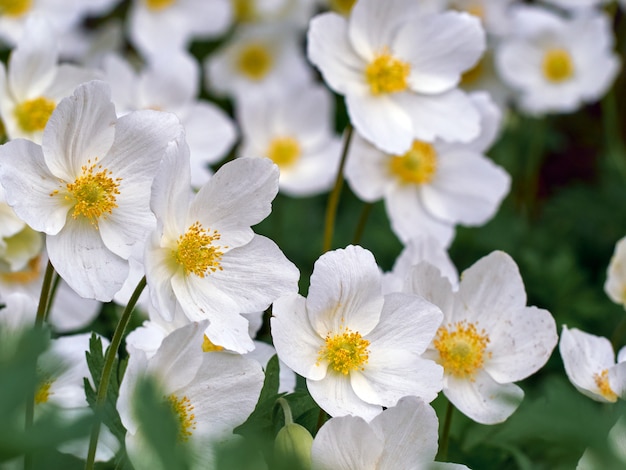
x=334 y=394
x=367 y=170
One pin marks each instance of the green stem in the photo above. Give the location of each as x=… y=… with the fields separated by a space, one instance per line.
x=333 y=200
x=442 y=455
x=286 y=410
x=534 y=160
x=109 y=360
x=360 y=228
x=612 y=135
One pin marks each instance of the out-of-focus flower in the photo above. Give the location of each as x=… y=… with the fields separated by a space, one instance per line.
x=493 y=14
x=433 y=186
x=489 y=338
x=88 y=186
x=358 y=350
x=401 y=437
x=615 y=285
x=204 y=260
x=589 y=362
x=399 y=69
x=293 y=12
x=295 y=131
x=557 y=64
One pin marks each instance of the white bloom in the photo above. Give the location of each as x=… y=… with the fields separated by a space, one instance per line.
x=433 y=186
x=293 y=12
x=590 y=365
x=399 y=70
x=358 y=350
x=204 y=259
x=615 y=285
x=88 y=186
x=557 y=64
x=577 y=5
x=34 y=83
x=294 y=130
x=494 y=14
x=489 y=338
x=401 y=437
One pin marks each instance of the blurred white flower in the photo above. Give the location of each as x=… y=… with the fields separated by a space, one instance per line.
x=615 y=285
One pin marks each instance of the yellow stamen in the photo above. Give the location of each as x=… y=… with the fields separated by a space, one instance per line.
x=345 y=352
x=157 y=5
x=343 y=7
x=386 y=74
x=33 y=115
x=28 y=274
x=558 y=65
x=209 y=346
x=15 y=7
x=255 y=61
x=183 y=410
x=284 y=151
x=417 y=166
x=244 y=10
x=196 y=253
x=43 y=392
x=602 y=381
x=94 y=192
x=461 y=349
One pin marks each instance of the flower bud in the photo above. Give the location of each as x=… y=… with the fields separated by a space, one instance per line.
x=292 y=447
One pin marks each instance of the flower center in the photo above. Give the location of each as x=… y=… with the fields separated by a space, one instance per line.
x=386 y=74
x=26 y=275
x=602 y=381
x=196 y=253
x=43 y=392
x=461 y=349
x=255 y=61
x=93 y=193
x=15 y=7
x=284 y=151
x=209 y=346
x=33 y=115
x=557 y=65
x=345 y=352
x=244 y=10
x=183 y=410
x=157 y=5
x=417 y=166
x=343 y=7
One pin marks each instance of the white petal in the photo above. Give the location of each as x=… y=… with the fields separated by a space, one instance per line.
x=427 y=281
x=366 y=170
x=158 y=263
x=334 y=394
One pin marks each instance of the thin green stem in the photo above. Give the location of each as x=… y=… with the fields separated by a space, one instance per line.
x=286 y=410
x=360 y=228
x=534 y=161
x=107 y=369
x=442 y=456
x=333 y=199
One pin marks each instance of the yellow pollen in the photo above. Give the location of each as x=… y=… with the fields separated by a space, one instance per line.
x=255 y=61
x=386 y=74
x=33 y=115
x=196 y=253
x=43 y=392
x=557 y=65
x=157 y=5
x=284 y=151
x=209 y=346
x=244 y=10
x=183 y=410
x=26 y=275
x=461 y=349
x=343 y=7
x=602 y=381
x=417 y=166
x=345 y=352
x=93 y=193
x=15 y=7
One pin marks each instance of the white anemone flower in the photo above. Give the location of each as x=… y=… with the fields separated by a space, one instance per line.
x=294 y=130
x=34 y=82
x=493 y=14
x=291 y=12
x=401 y=437
x=359 y=351
x=88 y=186
x=399 y=70
x=433 y=186
x=210 y=394
x=590 y=365
x=557 y=64
x=204 y=259
x=489 y=338
x=615 y=285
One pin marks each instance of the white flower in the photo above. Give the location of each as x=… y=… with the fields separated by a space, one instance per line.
x=399 y=70
x=204 y=259
x=433 y=186
x=557 y=64
x=590 y=365
x=88 y=186
x=615 y=285
x=295 y=131
x=34 y=83
x=292 y=12
x=358 y=350
x=401 y=437
x=494 y=14
x=210 y=394
x=489 y=338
